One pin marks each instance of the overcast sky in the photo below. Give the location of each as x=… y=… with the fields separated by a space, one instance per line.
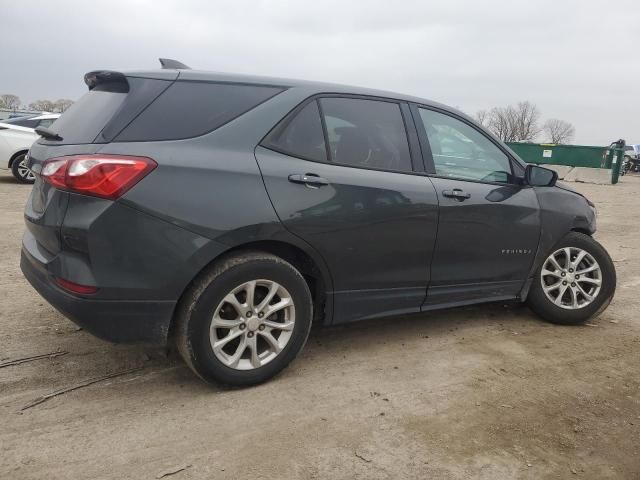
x=577 y=60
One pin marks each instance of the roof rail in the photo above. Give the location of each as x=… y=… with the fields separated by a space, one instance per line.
x=168 y=63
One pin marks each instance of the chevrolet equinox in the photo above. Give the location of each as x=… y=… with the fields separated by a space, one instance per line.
x=226 y=213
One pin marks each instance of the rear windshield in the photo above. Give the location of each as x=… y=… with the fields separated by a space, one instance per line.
x=84 y=120
x=190 y=109
x=143 y=109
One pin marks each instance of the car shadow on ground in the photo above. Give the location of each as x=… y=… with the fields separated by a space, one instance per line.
x=164 y=367
x=10 y=179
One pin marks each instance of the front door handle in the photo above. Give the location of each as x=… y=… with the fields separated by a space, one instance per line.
x=309 y=179
x=457 y=194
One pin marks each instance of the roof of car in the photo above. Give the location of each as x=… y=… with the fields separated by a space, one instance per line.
x=315 y=87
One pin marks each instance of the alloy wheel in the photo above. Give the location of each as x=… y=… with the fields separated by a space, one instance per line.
x=252 y=324
x=571 y=278
x=24 y=172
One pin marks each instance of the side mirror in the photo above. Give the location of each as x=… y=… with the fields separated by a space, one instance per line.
x=537 y=176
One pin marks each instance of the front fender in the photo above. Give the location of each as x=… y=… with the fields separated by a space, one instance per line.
x=561 y=211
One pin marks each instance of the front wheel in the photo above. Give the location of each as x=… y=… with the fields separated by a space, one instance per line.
x=244 y=320
x=20 y=170
x=575 y=282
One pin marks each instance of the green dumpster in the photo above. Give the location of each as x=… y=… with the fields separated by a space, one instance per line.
x=609 y=158
x=571 y=155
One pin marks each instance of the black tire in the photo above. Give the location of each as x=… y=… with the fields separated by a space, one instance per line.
x=14 y=169
x=545 y=308
x=196 y=309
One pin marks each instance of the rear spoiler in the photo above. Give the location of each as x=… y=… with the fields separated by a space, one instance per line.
x=119 y=80
x=99 y=77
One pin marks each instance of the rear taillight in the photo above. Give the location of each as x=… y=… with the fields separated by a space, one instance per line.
x=105 y=176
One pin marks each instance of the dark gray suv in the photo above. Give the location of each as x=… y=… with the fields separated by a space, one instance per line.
x=226 y=213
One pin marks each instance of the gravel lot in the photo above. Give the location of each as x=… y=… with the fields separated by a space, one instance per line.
x=485 y=392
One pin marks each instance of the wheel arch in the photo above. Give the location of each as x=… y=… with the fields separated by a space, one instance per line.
x=16 y=155
x=316 y=276
x=583 y=230
x=309 y=265
x=546 y=247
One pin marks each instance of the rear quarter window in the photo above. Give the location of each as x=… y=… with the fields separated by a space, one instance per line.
x=190 y=109
x=301 y=135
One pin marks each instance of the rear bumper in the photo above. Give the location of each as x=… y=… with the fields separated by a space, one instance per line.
x=117 y=321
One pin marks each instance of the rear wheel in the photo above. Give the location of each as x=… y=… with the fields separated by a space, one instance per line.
x=575 y=282
x=20 y=170
x=245 y=320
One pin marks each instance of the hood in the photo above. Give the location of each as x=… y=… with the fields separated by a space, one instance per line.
x=567 y=188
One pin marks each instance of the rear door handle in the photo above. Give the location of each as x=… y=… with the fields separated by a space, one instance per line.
x=310 y=179
x=457 y=194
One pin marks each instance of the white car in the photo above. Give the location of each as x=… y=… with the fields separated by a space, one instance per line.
x=632 y=152
x=16 y=136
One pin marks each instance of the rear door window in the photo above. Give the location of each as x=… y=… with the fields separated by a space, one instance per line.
x=190 y=109
x=366 y=133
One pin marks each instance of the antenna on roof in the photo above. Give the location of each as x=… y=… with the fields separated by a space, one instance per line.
x=168 y=63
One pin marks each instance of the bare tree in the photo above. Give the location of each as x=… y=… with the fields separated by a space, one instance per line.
x=517 y=123
x=525 y=122
x=495 y=123
x=62 y=104
x=558 y=131
x=500 y=123
x=8 y=100
x=520 y=123
x=482 y=116
x=42 y=106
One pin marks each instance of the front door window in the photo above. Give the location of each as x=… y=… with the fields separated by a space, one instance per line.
x=461 y=151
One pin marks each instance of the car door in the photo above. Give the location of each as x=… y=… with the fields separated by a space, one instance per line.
x=339 y=173
x=489 y=223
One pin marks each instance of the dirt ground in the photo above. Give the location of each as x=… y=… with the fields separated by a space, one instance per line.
x=485 y=392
